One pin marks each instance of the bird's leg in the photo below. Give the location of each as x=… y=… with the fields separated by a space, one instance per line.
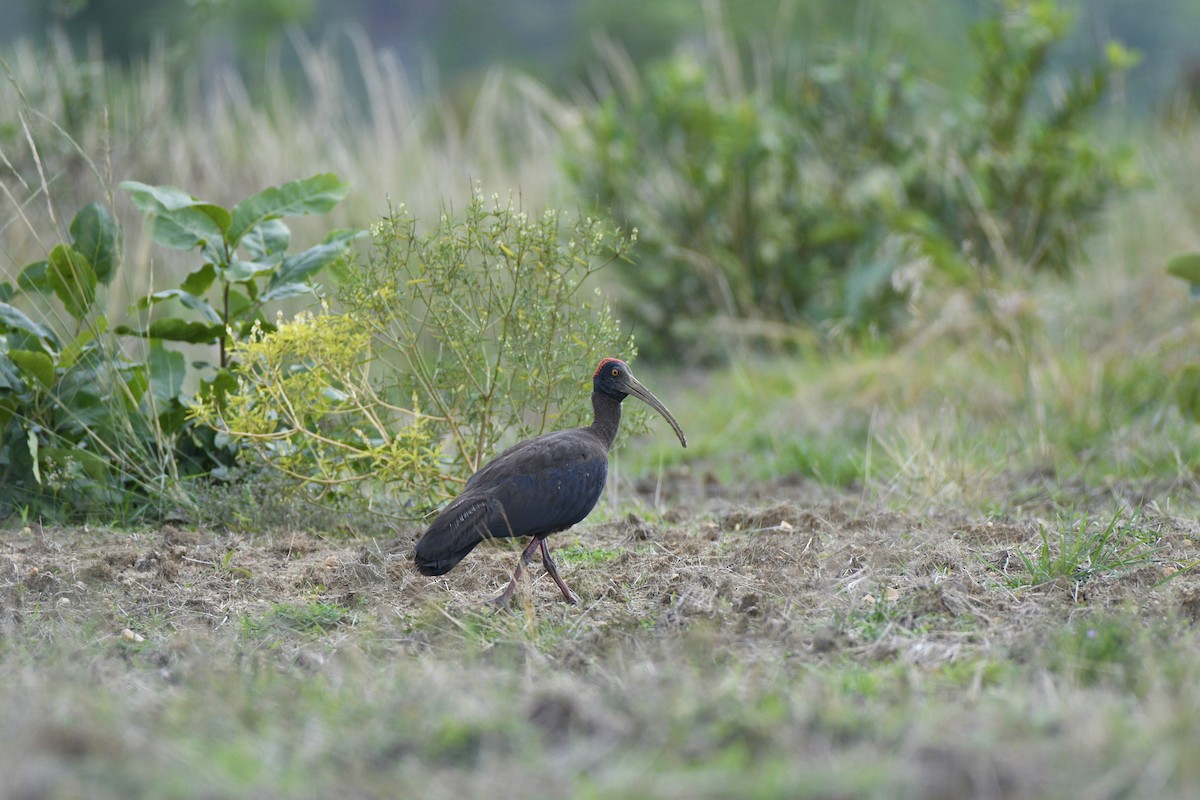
x=506 y=596
x=548 y=563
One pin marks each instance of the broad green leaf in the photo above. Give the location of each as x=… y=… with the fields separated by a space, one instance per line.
x=185 y=229
x=10 y=377
x=238 y=303
x=183 y=211
x=173 y=329
x=199 y=280
x=1187 y=392
x=173 y=417
x=86 y=409
x=251 y=288
x=93 y=465
x=71 y=277
x=267 y=241
x=13 y=318
x=33 y=277
x=298 y=267
x=1186 y=266
x=96 y=235
x=219 y=215
x=315 y=195
x=7 y=292
x=166 y=372
x=153 y=199
x=188 y=299
x=218 y=387
x=244 y=271
x=178 y=330
x=37 y=365
x=137 y=381
x=286 y=290
x=73 y=350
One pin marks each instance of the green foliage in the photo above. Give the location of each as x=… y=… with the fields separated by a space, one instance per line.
x=1082 y=551
x=305 y=402
x=83 y=423
x=485 y=318
x=1186 y=266
x=487 y=335
x=244 y=252
x=822 y=188
x=1033 y=175
x=1102 y=650
x=245 y=266
x=591 y=556
x=283 y=618
x=79 y=421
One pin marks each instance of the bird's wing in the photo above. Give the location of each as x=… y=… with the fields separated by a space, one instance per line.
x=543 y=485
x=550 y=498
x=526 y=455
x=455 y=532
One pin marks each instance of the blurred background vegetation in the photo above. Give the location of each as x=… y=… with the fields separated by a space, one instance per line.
x=553 y=40
x=805 y=178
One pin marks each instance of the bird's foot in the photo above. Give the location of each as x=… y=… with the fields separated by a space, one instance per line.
x=504 y=599
x=548 y=563
x=501 y=601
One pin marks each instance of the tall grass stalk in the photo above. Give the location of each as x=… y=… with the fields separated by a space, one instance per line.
x=361 y=117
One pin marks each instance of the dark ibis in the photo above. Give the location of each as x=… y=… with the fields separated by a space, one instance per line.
x=537 y=487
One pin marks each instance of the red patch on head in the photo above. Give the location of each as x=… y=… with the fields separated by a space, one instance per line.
x=607 y=361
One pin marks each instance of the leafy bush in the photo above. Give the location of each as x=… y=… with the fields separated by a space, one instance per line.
x=306 y=403
x=486 y=334
x=76 y=415
x=1031 y=176
x=244 y=253
x=84 y=423
x=819 y=188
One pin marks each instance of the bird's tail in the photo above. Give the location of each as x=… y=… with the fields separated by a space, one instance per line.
x=452 y=535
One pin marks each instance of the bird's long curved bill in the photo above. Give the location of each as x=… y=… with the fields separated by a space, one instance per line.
x=635 y=388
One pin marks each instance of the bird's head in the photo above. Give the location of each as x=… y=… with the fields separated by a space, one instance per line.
x=614 y=379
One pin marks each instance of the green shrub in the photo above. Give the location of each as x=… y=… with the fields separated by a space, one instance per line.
x=85 y=424
x=817 y=188
x=481 y=333
x=307 y=405
x=245 y=265
x=77 y=416
x=1031 y=174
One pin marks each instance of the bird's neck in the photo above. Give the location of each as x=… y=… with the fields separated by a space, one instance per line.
x=608 y=418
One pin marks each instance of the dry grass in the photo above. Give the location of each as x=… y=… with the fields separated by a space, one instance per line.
x=814 y=643
x=74 y=128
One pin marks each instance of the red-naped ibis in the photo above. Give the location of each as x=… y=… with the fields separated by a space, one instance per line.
x=537 y=487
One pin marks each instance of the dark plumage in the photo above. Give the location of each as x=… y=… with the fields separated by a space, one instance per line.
x=537 y=487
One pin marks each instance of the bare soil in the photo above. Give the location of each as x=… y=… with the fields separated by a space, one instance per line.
x=784 y=577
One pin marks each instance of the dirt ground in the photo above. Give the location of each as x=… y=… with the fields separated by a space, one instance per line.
x=788 y=553
x=784 y=575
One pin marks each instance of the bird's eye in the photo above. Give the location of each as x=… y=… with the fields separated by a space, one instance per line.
x=615 y=372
